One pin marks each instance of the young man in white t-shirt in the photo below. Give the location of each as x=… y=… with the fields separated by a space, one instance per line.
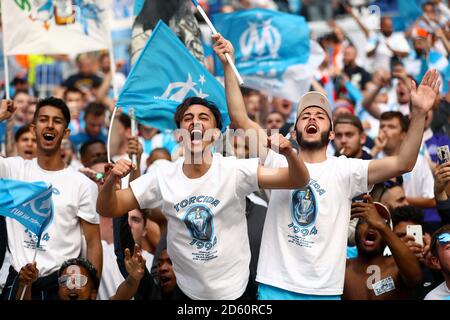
x=440 y=258
x=74 y=197
x=303 y=247
x=202 y=196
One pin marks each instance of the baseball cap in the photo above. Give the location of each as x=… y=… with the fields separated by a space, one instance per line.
x=383 y=211
x=315 y=99
x=420 y=33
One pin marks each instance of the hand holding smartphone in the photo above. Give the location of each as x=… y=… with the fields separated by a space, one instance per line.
x=443 y=154
x=416 y=232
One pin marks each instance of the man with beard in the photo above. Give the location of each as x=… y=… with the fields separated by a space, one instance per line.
x=74 y=197
x=372 y=276
x=203 y=197
x=304 y=241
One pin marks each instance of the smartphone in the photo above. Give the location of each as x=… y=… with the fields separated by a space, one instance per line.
x=415 y=231
x=443 y=154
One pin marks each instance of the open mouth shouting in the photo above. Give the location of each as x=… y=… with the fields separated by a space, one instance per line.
x=49 y=138
x=29 y=153
x=73 y=296
x=370 y=238
x=311 y=128
x=196 y=135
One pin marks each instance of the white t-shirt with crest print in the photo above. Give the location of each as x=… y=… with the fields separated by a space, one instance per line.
x=303 y=246
x=207 y=238
x=74 y=197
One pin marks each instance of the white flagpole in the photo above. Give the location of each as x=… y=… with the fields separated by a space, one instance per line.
x=5 y=59
x=115 y=92
x=214 y=31
x=133 y=132
x=26 y=286
x=5 y=63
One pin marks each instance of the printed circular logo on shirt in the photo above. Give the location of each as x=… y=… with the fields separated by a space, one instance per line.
x=198 y=220
x=304 y=207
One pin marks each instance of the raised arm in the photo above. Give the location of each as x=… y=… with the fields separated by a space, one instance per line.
x=441 y=35
x=358 y=21
x=407 y=263
x=112 y=201
x=7 y=109
x=442 y=191
x=422 y=100
x=94 y=245
x=235 y=101
x=369 y=100
x=135 y=266
x=296 y=176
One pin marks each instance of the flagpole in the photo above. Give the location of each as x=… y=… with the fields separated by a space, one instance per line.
x=112 y=61
x=115 y=95
x=133 y=132
x=26 y=286
x=214 y=31
x=5 y=63
x=5 y=60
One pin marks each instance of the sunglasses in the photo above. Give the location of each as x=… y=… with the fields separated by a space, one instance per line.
x=391 y=184
x=72 y=281
x=444 y=238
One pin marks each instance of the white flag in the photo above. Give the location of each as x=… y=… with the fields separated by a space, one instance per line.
x=54 y=26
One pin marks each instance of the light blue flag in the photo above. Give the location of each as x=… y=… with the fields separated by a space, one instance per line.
x=30 y=203
x=273 y=50
x=408 y=12
x=163 y=76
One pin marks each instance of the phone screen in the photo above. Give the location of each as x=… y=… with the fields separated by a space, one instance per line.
x=416 y=232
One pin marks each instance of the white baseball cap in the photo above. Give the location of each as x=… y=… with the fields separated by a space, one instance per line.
x=315 y=99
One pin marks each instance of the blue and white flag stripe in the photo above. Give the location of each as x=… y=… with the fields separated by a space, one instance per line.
x=164 y=74
x=29 y=203
x=273 y=50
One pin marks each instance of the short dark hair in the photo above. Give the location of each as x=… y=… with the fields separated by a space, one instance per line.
x=56 y=103
x=181 y=110
x=164 y=150
x=404 y=121
x=87 y=144
x=19 y=91
x=407 y=213
x=22 y=130
x=349 y=119
x=275 y=112
x=125 y=120
x=95 y=108
x=146 y=213
x=248 y=91
x=434 y=238
x=427 y=3
x=73 y=90
x=85 y=264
